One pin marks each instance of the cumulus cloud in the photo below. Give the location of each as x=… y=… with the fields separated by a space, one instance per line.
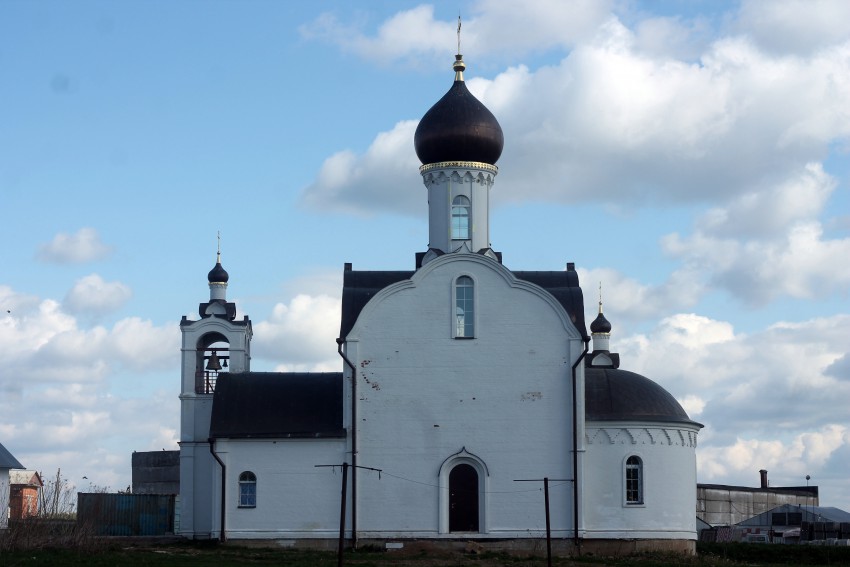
x=79 y=248
x=92 y=295
x=769 y=399
x=413 y=35
x=634 y=301
x=795 y=26
x=64 y=399
x=378 y=180
x=301 y=335
x=769 y=243
x=785 y=366
x=616 y=121
x=40 y=342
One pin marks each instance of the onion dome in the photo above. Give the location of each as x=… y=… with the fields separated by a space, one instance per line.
x=458 y=127
x=600 y=324
x=218 y=274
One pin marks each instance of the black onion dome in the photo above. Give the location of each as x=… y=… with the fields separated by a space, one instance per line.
x=218 y=274
x=611 y=394
x=600 y=325
x=458 y=128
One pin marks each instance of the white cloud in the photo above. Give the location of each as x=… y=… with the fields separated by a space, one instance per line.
x=771 y=210
x=41 y=343
x=616 y=122
x=790 y=460
x=767 y=384
x=673 y=37
x=79 y=248
x=769 y=399
x=795 y=26
x=633 y=301
x=379 y=180
x=92 y=295
x=413 y=35
x=301 y=335
x=800 y=263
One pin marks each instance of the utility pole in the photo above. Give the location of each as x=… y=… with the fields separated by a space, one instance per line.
x=545 y=481
x=340 y=556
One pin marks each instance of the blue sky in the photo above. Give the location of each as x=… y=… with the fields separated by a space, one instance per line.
x=692 y=156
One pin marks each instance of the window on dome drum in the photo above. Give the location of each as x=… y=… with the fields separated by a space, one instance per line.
x=464 y=307
x=460 y=218
x=247 y=490
x=634 y=480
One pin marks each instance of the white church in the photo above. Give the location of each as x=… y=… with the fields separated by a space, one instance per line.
x=464 y=386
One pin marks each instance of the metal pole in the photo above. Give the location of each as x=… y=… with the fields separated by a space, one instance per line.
x=548 y=525
x=546 y=480
x=340 y=559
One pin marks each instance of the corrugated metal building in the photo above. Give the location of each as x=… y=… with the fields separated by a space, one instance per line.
x=126 y=514
x=725 y=505
x=156 y=472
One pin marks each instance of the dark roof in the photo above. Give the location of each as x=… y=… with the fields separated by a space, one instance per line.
x=218 y=274
x=458 y=128
x=809 y=514
x=611 y=394
x=7 y=460
x=277 y=404
x=600 y=324
x=563 y=285
x=359 y=287
x=811 y=491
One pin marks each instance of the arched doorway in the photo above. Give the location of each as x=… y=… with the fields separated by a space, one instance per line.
x=463 y=499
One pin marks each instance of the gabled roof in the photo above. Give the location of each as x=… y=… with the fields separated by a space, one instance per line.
x=27 y=478
x=808 y=513
x=360 y=286
x=7 y=461
x=277 y=405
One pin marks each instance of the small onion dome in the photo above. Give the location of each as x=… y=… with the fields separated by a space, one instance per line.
x=458 y=128
x=218 y=274
x=600 y=324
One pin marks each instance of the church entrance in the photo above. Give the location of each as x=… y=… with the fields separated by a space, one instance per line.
x=463 y=499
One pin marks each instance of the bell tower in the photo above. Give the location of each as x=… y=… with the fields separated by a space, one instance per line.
x=215 y=343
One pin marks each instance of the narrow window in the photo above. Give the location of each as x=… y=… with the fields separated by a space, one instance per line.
x=247 y=490
x=464 y=307
x=634 y=480
x=460 y=218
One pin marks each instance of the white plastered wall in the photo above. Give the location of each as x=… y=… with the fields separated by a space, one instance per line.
x=295 y=499
x=668 y=453
x=424 y=396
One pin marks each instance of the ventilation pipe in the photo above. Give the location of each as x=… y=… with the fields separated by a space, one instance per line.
x=763 y=474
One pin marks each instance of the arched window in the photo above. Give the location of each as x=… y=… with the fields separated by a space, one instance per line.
x=247 y=490
x=464 y=307
x=460 y=218
x=634 y=480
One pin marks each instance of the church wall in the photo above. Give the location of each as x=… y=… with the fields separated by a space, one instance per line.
x=423 y=396
x=294 y=498
x=196 y=472
x=667 y=452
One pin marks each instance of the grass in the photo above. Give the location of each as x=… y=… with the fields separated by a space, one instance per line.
x=211 y=555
